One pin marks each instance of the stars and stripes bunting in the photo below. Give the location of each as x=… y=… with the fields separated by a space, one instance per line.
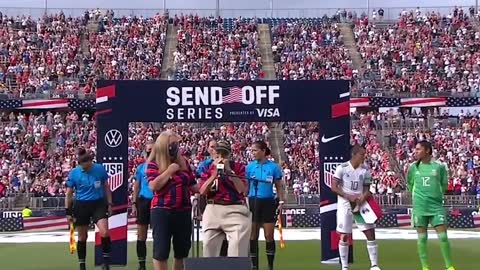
x=476 y=221
x=385 y=102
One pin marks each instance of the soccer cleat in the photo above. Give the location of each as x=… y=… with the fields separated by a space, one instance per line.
x=375 y=268
x=106 y=267
x=82 y=266
x=425 y=268
x=451 y=268
x=142 y=268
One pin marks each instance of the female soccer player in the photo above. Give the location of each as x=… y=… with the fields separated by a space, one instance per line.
x=427 y=180
x=89 y=180
x=262 y=203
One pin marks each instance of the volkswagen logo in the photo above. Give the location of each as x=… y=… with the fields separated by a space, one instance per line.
x=113 y=138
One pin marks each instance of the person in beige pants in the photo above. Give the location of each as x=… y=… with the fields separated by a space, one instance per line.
x=226 y=212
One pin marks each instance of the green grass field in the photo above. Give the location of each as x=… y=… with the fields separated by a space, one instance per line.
x=301 y=255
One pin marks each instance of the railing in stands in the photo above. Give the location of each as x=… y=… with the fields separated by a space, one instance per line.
x=402 y=199
x=396 y=200
x=257 y=10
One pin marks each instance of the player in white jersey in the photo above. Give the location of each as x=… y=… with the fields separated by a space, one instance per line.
x=352 y=183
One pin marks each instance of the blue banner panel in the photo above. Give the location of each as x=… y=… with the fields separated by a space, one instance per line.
x=121 y=102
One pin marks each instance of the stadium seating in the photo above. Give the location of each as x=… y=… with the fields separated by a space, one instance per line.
x=420 y=53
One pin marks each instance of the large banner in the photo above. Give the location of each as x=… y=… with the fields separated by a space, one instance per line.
x=121 y=102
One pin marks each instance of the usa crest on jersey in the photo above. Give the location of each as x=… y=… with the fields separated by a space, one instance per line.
x=115 y=175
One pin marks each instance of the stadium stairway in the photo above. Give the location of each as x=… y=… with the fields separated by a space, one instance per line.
x=394 y=164
x=265 y=42
x=350 y=44
x=170 y=47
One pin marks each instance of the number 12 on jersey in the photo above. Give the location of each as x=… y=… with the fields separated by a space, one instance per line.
x=426 y=181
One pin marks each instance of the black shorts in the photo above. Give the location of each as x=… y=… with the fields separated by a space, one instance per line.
x=264 y=212
x=171 y=226
x=143 y=211
x=84 y=211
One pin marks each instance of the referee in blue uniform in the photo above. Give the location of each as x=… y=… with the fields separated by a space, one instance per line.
x=142 y=198
x=204 y=168
x=89 y=180
x=263 y=204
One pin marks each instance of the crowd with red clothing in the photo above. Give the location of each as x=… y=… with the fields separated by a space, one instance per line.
x=456 y=145
x=211 y=49
x=421 y=52
x=40 y=55
x=310 y=49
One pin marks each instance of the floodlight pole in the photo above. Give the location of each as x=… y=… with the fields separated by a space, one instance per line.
x=217 y=8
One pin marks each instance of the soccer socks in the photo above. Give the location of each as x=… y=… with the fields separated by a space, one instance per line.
x=422 y=249
x=372 y=248
x=82 y=253
x=254 y=253
x=343 y=251
x=270 y=249
x=141 y=252
x=106 y=248
x=445 y=249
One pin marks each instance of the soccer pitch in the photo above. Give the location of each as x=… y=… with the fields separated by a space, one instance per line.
x=301 y=255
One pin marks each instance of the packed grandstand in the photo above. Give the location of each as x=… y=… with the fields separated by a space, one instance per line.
x=420 y=54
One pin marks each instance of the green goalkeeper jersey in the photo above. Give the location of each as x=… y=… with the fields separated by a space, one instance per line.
x=428 y=183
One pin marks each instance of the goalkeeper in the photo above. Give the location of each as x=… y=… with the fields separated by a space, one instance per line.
x=427 y=180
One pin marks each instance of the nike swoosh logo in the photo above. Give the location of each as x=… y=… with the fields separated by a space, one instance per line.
x=326 y=140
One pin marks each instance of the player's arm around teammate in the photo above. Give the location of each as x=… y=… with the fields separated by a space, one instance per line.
x=427 y=180
x=351 y=183
x=93 y=201
x=142 y=199
x=263 y=204
x=172 y=181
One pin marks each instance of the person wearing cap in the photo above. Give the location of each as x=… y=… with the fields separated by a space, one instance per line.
x=93 y=201
x=203 y=168
x=142 y=199
x=226 y=212
x=265 y=174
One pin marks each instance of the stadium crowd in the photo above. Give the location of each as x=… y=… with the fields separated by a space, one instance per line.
x=419 y=53
x=210 y=48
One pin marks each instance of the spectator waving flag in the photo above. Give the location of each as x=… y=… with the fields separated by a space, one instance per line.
x=232 y=95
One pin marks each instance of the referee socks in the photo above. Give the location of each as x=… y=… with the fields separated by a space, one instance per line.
x=270 y=249
x=82 y=253
x=141 y=253
x=106 y=248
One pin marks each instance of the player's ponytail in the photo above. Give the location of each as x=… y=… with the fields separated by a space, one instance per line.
x=428 y=148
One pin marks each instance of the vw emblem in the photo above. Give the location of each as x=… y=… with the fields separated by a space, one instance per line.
x=113 y=138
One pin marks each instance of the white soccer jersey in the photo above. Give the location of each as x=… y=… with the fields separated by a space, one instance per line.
x=353 y=180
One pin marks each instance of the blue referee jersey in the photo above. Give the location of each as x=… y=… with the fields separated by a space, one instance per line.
x=141 y=176
x=267 y=171
x=88 y=185
x=203 y=167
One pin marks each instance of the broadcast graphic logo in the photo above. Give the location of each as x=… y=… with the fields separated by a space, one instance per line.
x=115 y=175
x=209 y=102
